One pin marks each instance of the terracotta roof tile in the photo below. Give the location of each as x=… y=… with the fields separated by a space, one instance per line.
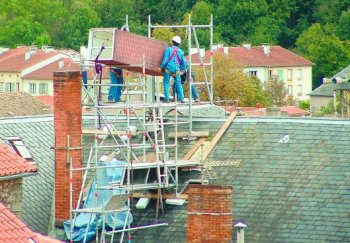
x=255 y=57
x=14 y=60
x=21 y=104
x=46 y=73
x=12 y=229
x=46 y=99
x=12 y=164
x=293 y=111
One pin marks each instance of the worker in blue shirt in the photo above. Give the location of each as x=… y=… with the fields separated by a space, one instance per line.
x=115 y=92
x=184 y=80
x=173 y=59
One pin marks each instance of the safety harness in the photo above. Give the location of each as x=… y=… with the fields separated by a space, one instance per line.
x=169 y=59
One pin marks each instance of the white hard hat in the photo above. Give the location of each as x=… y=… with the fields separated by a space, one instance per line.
x=177 y=39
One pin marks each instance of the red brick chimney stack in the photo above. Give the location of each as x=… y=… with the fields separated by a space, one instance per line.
x=67 y=121
x=209 y=213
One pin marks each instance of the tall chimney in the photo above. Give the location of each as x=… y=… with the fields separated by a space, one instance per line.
x=209 y=213
x=68 y=131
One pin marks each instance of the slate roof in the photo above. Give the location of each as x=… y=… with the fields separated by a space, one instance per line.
x=345 y=73
x=14 y=60
x=12 y=229
x=255 y=57
x=291 y=188
x=204 y=110
x=291 y=177
x=21 y=104
x=37 y=135
x=326 y=90
x=13 y=164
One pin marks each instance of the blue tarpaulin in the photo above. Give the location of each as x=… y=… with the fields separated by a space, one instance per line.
x=103 y=177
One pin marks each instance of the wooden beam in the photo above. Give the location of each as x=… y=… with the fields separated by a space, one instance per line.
x=155 y=195
x=223 y=128
x=194 y=149
x=199 y=134
x=206 y=147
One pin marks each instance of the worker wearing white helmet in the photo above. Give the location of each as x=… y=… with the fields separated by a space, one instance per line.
x=172 y=62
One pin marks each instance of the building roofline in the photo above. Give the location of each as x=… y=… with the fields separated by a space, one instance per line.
x=21 y=119
x=17 y=176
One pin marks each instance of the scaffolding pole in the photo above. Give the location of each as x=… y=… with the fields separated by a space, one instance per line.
x=167 y=169
x=191 y=28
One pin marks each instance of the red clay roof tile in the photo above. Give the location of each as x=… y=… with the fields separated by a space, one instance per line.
x=12 y=229
x=14 y=60
x=11 y=163
x=255 y=57
x=46 y=73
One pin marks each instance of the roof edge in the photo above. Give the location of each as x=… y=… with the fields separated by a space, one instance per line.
x=17 y=176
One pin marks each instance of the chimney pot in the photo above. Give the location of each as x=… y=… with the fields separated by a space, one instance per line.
x=267 y=49
x=226 y=50
x=60 y=64
x=247 y=46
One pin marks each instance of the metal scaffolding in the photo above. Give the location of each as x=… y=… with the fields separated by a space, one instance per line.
x=208 y=81
x=131 y=131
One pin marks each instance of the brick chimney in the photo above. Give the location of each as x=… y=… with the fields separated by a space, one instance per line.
x=209 y=213
x=67 y=121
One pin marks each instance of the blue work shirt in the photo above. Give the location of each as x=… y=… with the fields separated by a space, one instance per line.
x=174 y=64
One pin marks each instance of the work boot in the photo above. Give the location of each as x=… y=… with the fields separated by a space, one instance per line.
x=197 y=100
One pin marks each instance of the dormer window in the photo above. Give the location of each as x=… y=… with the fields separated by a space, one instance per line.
x=20 y=148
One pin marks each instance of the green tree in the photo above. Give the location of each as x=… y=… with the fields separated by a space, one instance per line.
x=231 y=85
x=344 y=25
x=78 y=25
x=277 y=91
x=164 y=34
x=326 y=50
x=21 y=30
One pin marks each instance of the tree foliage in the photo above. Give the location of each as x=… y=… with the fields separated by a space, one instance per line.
x=289 y=23
x=325 y=49
x=231 y=86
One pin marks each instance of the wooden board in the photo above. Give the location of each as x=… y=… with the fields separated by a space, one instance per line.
x=199 y=134
x=155 y=195
x=194 y=149
x=202 y=153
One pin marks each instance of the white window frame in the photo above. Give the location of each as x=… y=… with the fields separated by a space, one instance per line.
x=299 y=74
x=20 y=148
x=290 y=90
x=43 y=88
x=300 y=90
x=253 y=73
x=32 y=88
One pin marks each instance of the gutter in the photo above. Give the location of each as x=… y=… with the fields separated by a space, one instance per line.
x=17 y=176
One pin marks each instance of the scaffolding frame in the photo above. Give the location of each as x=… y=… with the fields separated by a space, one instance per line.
x=208 y=81
x=149 y=117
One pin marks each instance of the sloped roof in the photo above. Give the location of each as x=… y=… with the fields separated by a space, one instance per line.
x=45 y=99
x=255 y=57
x=37 y=135
x=12 y=229
x=21 y=104
x=13 y=164
x=293 y=111
x=204 y=110
x=326 y=90
x=46 y=73
x=291 y=188
x=14 y=60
